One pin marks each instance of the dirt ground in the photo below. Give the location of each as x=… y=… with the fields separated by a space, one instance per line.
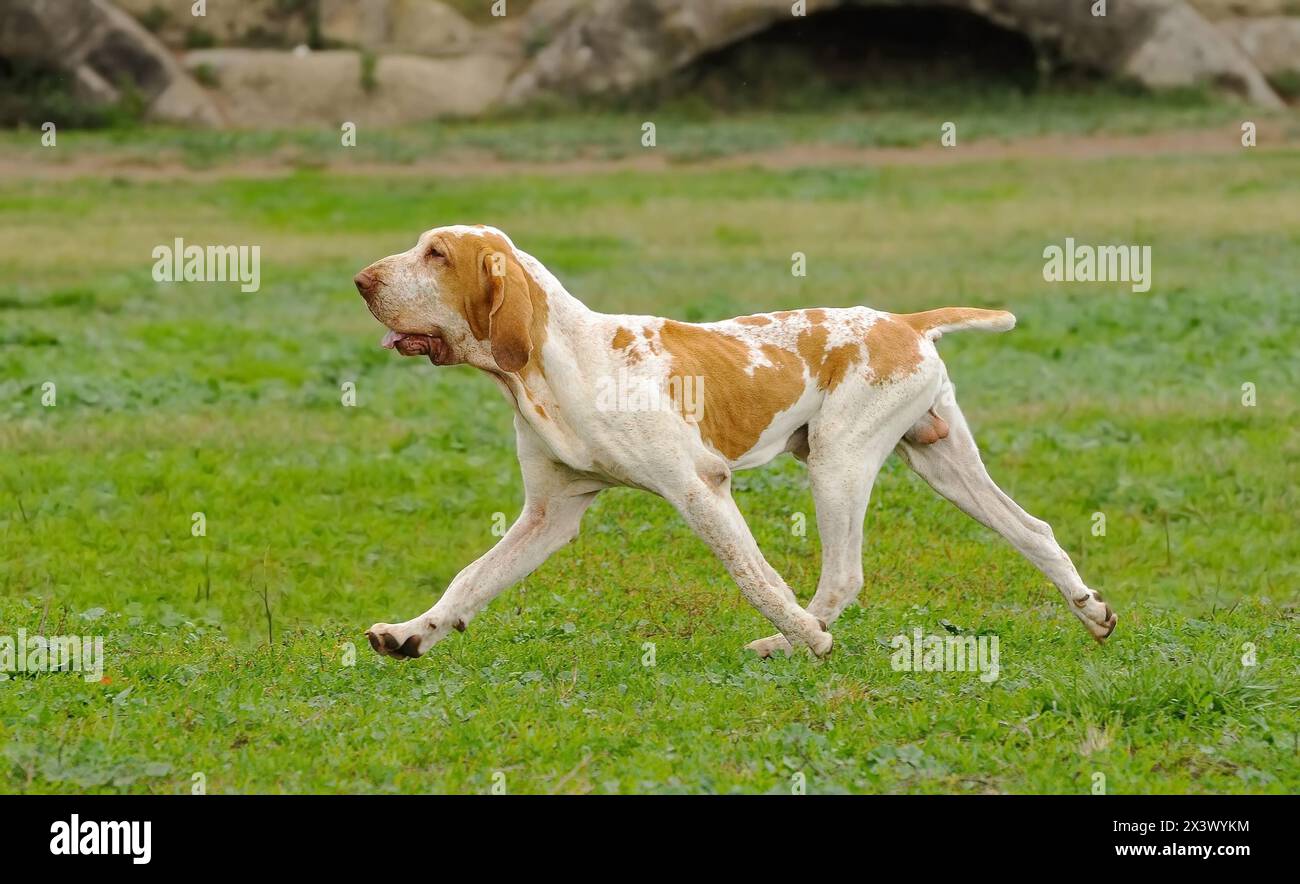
x=136 y=168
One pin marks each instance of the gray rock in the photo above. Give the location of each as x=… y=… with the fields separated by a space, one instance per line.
x=268 y=22
x=1181 y=49
x=1273 y=43
x=101 y=47
x=421 y=27
x=267 y=88
x=611 y=45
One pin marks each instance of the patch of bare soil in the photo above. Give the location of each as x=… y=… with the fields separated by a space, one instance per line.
x=1088 y=147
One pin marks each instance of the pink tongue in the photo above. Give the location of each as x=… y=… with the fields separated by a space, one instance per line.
x=391 y=339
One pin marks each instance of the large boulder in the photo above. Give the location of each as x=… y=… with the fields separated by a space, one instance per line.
x=264 y=88
x=1180 y=48
x=1215 y=10
x=611 y=45
x=1273 y=42
x=421 y=27
x=104 y=52
x=266 y=23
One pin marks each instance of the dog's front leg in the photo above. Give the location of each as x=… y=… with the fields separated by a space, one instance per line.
x=709 y=509
x=555 y=497
x=543 y=527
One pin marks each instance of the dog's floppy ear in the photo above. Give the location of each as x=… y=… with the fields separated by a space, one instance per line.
x=510 y=311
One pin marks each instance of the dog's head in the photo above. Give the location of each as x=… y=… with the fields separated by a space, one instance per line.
x=459 y=295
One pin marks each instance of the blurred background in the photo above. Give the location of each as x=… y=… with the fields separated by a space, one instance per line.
x=259 y=64
x=666 y=157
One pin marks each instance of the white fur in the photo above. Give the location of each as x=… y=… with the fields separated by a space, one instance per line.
x=577 y=449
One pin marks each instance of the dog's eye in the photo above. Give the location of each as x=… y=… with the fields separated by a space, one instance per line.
x=436 y=253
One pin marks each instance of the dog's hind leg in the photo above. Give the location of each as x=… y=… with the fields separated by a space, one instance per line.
x=841 y=472
x=840 y=496
x=953 y=467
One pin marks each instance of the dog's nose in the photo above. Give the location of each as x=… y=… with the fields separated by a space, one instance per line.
x=365 y=281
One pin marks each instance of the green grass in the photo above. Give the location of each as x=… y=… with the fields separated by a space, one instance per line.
x=174 y=399
x=687 y=129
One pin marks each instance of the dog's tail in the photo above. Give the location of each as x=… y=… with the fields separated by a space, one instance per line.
x=933 y=323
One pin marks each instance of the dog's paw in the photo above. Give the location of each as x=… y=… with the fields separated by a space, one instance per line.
x=820 y=644
x=766 y=647
x=391 y=641
x=1095 y=614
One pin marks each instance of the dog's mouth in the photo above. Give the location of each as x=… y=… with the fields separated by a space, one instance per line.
x=430 y=344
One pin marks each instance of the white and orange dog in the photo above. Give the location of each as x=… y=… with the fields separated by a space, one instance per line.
x=837 y=388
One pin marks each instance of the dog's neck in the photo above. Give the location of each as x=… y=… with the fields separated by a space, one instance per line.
x=538 y=392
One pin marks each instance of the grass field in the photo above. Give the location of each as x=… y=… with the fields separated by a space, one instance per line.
x=688 y=129
x=174 y=399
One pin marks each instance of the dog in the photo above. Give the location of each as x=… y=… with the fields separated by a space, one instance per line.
x=839 y=389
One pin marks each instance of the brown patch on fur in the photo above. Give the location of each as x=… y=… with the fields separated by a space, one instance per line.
x=812 y=347
x=756 y=319
x=928 y=319
x=837 y=364
x=828 y=367
x=623 y=338
x=509 y=311
x=893 y=350
x=738 y=406
x=540 y=410
x=815 y=315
